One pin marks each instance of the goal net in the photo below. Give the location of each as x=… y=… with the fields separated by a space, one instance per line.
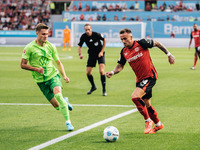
x=110 y=30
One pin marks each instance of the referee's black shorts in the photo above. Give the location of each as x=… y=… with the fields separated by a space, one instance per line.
x=92 y=60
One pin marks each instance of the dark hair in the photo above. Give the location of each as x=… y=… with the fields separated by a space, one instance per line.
x=41 y=26
x=125 y=30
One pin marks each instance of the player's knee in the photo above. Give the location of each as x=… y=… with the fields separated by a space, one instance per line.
x=102 y=72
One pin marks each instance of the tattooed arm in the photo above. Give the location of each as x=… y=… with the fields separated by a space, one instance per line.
x=171 y=58
x=117 y=69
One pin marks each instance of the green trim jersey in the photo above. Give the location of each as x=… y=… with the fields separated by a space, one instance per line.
x=41 y=57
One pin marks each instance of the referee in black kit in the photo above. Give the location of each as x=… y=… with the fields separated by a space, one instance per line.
x=95 y=52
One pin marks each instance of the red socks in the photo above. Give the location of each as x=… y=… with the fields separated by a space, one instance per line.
x=146 y=112
x=141 y=107
x=153 y=114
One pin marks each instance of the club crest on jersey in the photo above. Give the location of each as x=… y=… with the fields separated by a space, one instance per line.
x=91 y=40
x=137 y=49
x=135 y=57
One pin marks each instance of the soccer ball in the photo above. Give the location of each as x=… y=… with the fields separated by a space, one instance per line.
x=110 y=134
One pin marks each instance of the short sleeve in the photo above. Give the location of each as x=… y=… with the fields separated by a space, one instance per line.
x=55 y=53
x=81 y=41
x=101 y=36
x=146 y=43
x=121 y=59
x=27 y=53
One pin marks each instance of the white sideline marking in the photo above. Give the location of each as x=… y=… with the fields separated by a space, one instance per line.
x=61 y=138
x=93 y=105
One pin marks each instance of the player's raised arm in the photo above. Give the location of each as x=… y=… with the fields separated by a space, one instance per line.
x=117 y=69
x=171 y=58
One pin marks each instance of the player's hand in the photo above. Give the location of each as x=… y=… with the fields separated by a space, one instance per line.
x=109 y=74
x=189 y=48
x=66 y=79
x=40 y=70
x=171 y=59
x=81 y=56
x=100 y=54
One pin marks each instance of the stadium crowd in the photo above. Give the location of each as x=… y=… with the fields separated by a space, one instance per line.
x=172 y=8
x=23 y=15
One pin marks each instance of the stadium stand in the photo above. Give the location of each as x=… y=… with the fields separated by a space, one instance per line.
x=23 y=15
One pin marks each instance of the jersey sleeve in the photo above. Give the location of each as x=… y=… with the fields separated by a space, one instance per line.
x=121 y=59
x=101 y=36
x=146 y=43
x=55 y=53
x=81 y=41
x=27 y=53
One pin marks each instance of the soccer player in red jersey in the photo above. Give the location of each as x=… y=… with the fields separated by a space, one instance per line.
x=137 y=54
x=196 y=35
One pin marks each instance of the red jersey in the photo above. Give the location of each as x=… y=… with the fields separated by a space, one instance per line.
x=139 y=59
x=196 y=36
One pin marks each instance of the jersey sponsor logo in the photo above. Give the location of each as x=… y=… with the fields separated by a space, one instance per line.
x=137 y=49
x=143 y=82
x=43 y=61
x=125 y=54
x=135 y=57
x=195 y=36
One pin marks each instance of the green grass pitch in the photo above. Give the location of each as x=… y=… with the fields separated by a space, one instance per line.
x=175 y=97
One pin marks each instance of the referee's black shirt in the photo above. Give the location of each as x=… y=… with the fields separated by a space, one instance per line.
x=93 y=42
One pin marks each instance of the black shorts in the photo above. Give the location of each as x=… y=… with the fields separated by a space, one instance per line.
x=147 y=85
x=92 y=60
x=197 y=49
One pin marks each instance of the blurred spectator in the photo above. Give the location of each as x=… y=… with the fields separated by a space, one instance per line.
x=124 y=18
x=87 y=7
x=116 y=18
x=172 y=35
x=168 y=19
x=90 y=19
x=131 y=7
x=79 y=6
x=104 y=7
x=117 y=8
x=98 y=18
x=94 y=8
x=110 y=8
x=197 y=6
x=148 y=7
x=82 y=17
x=124 y=8
x=104 y=17
x=137 y=5
x=52 y=7
x=74 y=8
